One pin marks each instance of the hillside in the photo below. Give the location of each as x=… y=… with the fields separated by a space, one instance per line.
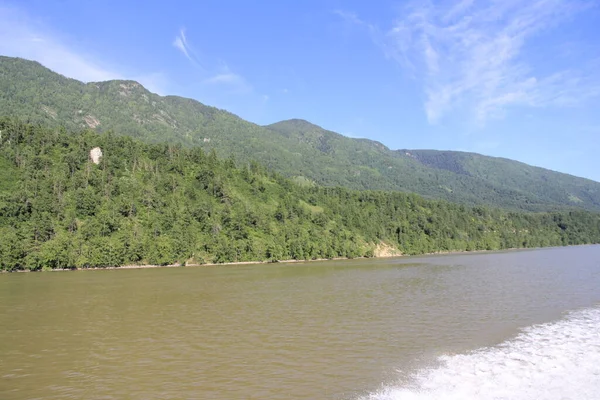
x=163 y=204
x=295 y=148
x=546 y=185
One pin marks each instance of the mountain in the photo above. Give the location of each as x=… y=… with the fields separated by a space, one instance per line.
x=294 y=148
x=546 y=185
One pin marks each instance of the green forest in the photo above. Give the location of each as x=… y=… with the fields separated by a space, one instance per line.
x=165 y=204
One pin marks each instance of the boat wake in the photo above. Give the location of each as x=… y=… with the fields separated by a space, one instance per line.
x=557 y=360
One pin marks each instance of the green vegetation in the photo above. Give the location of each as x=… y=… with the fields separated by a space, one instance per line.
x=164 y=204
x=295 y=148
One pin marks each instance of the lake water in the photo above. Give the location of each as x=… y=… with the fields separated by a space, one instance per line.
x=511 y=325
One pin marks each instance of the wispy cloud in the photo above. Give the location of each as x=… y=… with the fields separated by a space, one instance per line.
x=473 y=56
x=22 y=37
x=372 y=29
x=219 y=74
x=226 y=78
x=182 y=44
x=231 y=81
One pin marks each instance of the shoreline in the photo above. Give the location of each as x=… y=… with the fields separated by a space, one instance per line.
x=149 y=266
x=293 y=261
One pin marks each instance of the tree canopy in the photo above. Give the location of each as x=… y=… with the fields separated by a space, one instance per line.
x=164 y=204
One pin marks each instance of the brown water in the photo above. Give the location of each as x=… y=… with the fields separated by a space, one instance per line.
x=322 y=330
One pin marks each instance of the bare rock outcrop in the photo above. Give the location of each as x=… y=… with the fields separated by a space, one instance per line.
x=96 y=155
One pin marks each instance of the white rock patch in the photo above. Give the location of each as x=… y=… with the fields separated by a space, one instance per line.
x=96 y=155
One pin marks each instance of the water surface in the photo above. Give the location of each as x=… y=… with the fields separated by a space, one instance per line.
x=513 y=325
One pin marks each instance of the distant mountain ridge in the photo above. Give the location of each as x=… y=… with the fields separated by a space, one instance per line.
x=295 y=148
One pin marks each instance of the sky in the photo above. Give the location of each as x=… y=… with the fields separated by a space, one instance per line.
x=510 y=78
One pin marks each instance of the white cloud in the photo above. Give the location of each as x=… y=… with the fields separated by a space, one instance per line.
x=473 y=56
x=22 y=37
x=219 y=74
x=182 y=44
x=227 y=78
x=19 y=37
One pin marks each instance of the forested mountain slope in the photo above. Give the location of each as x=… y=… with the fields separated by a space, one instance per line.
x=544 y=184
x=163 y=204
x=294 y=148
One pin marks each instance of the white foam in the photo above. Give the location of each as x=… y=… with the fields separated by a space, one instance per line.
x=558 y=360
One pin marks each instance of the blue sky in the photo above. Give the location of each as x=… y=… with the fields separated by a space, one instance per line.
x=509 y=78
